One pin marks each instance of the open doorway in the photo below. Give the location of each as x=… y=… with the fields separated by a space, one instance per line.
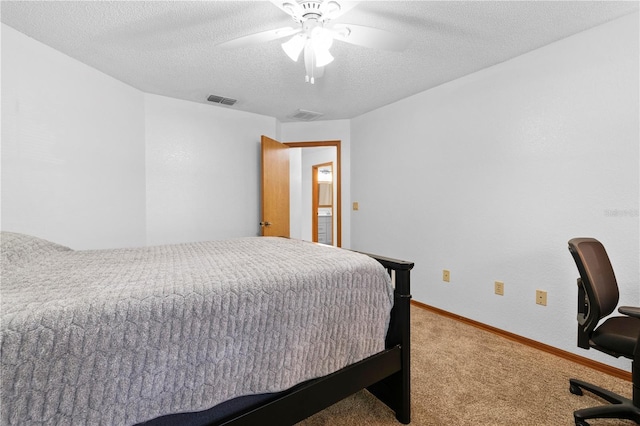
x=316 y=152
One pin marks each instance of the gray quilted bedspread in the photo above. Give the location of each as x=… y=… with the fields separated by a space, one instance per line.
x=116 y=337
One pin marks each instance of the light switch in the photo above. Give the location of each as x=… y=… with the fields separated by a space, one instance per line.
x=355 y=205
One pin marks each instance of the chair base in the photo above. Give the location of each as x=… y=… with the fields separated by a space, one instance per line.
x=621 y=408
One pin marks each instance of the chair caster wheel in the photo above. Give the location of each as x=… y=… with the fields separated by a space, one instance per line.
x=580 y=422
x=574 y=389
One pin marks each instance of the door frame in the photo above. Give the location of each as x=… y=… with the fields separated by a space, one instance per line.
x=338 y=174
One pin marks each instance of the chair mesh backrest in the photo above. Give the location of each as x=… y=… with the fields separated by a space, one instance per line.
x=596 y=273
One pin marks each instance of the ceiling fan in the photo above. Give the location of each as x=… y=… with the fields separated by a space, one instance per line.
x=316 y=31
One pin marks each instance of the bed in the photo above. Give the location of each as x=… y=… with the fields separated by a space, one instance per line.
x=245 y=331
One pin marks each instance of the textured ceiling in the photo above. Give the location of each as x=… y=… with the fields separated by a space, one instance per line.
x=171 y=47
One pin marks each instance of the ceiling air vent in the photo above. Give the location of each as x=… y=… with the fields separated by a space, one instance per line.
x=304 y=115
x=221 y=100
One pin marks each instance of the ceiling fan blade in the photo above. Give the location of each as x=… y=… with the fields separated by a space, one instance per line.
x=373 y=38
x=261 y=37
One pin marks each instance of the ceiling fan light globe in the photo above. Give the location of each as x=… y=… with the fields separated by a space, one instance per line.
x=294 y=47
x=323 y=57
x=322 y=38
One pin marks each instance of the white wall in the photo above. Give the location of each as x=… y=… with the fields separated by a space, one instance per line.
x=90 y=162
x=325 y=131
x=72 y=149
x=491 y=174
x=203 y=170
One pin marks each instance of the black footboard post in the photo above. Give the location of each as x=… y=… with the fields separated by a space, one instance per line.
x=395 y=391
x=403 y=298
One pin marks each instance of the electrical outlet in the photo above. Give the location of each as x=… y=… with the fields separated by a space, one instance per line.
x=356 y=206
x=446 y=275
x=499 y=288
x=541 y=297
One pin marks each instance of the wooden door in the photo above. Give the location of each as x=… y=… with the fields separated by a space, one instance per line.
x=275 y=188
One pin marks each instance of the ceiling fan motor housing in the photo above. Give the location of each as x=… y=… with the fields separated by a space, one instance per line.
x=312 y=9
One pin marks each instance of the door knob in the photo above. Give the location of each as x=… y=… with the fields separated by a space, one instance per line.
x=265 y=223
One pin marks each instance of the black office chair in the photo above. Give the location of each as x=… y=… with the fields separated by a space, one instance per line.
x=617 y=336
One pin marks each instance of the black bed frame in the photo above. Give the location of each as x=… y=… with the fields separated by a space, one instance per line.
x=386 y=374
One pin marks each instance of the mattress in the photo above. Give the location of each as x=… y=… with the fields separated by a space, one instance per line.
x=121 y=336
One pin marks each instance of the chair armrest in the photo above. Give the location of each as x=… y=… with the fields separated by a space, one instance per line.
x=632 y=311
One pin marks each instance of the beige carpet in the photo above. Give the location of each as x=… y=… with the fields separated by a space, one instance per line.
x=462 y=375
